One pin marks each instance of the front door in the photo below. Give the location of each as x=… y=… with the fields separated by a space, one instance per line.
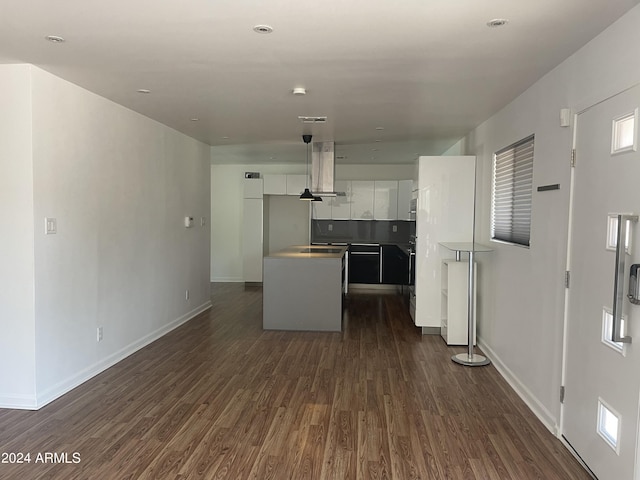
x=602 y=375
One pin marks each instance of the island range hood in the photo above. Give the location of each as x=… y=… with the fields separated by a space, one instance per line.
x=323 y=169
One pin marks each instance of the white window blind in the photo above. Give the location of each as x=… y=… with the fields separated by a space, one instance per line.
x=512 y=193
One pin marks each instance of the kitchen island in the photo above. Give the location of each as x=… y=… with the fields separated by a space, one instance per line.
x=303 y=287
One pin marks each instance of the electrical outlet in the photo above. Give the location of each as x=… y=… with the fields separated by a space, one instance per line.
x=99 y=334
x=186 y=294
x=395 y=228
x=330 y=226
x=203 y=221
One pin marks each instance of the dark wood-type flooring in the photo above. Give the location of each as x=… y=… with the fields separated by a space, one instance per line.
x=219 y=398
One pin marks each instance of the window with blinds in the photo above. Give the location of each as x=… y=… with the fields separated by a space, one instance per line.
x=512 y=193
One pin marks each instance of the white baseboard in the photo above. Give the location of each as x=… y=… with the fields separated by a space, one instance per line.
x=65 y=386
x=19 y=402
x=226 y=279
x=538 y=409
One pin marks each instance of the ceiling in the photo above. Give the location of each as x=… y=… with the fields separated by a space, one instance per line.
x=394 y=79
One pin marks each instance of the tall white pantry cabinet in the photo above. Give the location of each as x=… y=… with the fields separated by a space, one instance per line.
x=444 y=189
x=252 y=230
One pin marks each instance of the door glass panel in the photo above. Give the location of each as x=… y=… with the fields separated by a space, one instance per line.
x=624 y=133
x=612 y=233
x=609 y=425
x=607 y=331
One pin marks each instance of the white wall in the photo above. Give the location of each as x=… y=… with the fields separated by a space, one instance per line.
x=226 y=206
x=119 y=185
x=17 y=321
x=521 y=301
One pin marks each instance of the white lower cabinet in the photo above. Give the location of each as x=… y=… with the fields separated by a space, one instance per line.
x=453 y=307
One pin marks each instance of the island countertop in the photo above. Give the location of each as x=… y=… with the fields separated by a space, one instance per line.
x=311 y=251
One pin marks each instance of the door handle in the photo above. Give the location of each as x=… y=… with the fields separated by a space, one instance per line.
x=634 y=285
x=618 y=281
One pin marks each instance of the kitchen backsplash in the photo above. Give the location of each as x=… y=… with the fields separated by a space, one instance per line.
x=361 y=231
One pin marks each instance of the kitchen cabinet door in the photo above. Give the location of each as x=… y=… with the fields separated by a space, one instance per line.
x=275 y=184
x=253 y=188
x=405 y=188
x=364 y=264
x=341 y=205
x=362 y=199
x=296 y=184
x=385 y=195
x=445 y=208
x=252 y=234
x=321 y=210
x=395 y=266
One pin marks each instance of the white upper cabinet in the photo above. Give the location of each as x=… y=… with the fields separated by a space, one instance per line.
x=281 y=184
x=296 y=184
x=253 y=188
x=385 y=200
x=341 y=205
x=405 y=188
x=322 y=210
x=362 y=199
x=275 y=184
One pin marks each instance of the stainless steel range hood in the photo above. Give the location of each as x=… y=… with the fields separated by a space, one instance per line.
x=323 y=169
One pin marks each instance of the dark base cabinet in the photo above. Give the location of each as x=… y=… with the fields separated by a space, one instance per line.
x=395 y=266
x=375 y=264
x=364 y=264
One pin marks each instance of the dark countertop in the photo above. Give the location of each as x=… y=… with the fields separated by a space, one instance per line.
x=404 y=247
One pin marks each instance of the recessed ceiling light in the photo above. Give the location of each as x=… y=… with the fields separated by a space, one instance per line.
x=195 y=119
x=378 y=140
x=497 y=22
x=379 y=128
x=55 y=39
x=299 y=91
x=225 y=138
x=262 y=29
x=143 y=90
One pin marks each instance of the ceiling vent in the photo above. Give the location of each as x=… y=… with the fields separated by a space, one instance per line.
x=313 y=119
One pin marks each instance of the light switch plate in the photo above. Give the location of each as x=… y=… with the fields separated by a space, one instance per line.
x=50 y=226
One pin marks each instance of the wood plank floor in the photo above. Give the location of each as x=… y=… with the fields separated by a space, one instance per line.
x=219 y=398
